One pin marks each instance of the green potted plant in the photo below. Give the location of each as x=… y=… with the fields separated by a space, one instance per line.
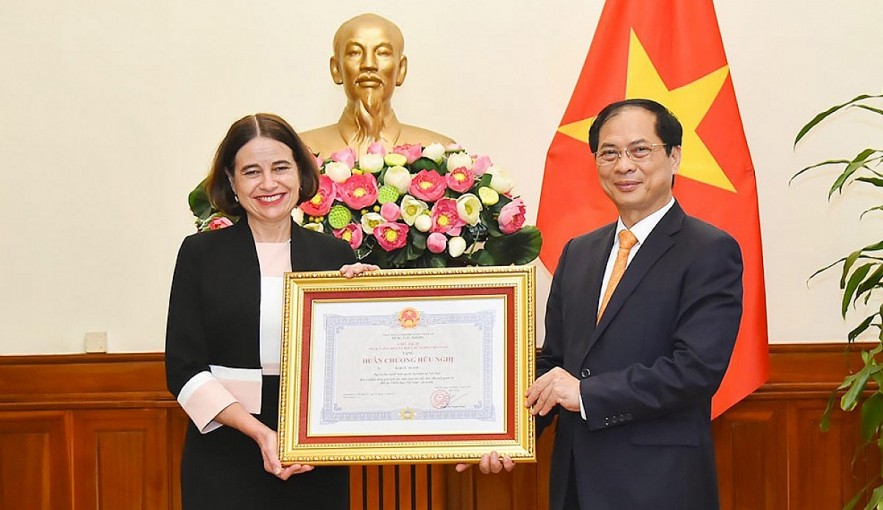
x=861 y=281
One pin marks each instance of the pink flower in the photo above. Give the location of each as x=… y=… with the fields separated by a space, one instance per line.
x=319 y=161
x=445 y=218
x=322 y=201
x=481 y=164
x=427 y=185
x=377 y=148
x=352 y=234
x=460 y=179
x=391 y=236
x=359 y=191
x=412 y=151
x=512 y=216
x=346 y=156
x=436 y=242
x=219 y=222
x=390 y=211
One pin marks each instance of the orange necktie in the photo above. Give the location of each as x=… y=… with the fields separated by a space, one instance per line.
x=626 y=241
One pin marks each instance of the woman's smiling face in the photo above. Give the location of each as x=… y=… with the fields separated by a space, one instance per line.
x=266 y=181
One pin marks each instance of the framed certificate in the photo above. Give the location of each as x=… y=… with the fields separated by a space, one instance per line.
x=407 y=366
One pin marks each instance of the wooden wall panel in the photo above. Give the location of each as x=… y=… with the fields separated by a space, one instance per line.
x=34 y=461
x=100 y=431
x=829 y=456
x=121 y=458
x=751 y=452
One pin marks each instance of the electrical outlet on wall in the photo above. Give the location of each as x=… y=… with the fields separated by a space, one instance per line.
x=95 y=341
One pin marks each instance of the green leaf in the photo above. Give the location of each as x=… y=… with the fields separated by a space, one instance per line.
x=873 y=281
x=416 y=246
x=871 y=416
x=847 y=266
x=876 y=181
x=483 y=258
x=825 y=422
x=198 y=201
x=425 y=164
x=876 y=501
x=822 y=270
x=878 y=208
x=825 y=114
x=851 y=286
x=823 y=163
x=518 y=248
x=490 y=221
x=869 y=108
x=859 y=161
x=864 y=325
x=437 y=260
x=857 y=385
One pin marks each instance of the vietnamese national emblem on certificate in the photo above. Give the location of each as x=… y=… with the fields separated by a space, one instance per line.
x=409 y=317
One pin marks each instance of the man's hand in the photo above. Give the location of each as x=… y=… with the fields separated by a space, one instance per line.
x=490 y=463
x=555 y=387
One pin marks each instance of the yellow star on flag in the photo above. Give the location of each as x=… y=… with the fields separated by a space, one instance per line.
x=689 y=103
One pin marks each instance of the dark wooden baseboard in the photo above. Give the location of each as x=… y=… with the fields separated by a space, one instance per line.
x=101 y=431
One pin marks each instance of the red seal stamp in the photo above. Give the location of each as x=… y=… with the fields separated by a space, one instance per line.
x=440 y=399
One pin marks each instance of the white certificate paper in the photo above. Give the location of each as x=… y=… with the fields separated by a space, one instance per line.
x=407 y=366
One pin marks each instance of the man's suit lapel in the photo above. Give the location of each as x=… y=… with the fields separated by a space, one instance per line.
x=660 y=240
x=589 y=285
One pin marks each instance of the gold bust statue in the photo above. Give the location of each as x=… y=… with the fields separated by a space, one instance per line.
x=369 y=62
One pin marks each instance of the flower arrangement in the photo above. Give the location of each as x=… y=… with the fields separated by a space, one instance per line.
x=413 y=207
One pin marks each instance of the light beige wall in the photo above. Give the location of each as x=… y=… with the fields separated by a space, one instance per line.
x=110 y=111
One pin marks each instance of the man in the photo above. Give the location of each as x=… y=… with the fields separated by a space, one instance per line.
x=630 y=367
x=369 y=62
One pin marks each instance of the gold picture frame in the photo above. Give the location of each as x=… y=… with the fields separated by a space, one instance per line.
x=407 y=366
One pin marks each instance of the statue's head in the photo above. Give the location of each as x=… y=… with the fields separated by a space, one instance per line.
x=368 y=60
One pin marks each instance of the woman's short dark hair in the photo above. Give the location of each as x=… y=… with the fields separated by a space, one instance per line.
x=244 y=130
x=668 y=128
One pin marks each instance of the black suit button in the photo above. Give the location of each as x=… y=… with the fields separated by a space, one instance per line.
x=584 y=373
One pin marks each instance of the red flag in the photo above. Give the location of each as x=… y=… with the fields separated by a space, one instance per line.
x=669 y=51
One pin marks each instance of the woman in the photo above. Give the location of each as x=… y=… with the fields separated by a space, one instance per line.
x=224 y=325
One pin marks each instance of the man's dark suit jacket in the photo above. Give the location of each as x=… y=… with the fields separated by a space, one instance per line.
x=214 y=311
x=647 y=370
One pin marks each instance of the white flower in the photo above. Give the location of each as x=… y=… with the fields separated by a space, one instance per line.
x=500 y=181
x=316 y=227
x=298 y=215
x=412 y=209
x=468 y=207
x=338 y=171
x=456 y=246
x=371 y=163
x=459 y=160
x=398 y=177
x=370 y=222
x=434 y=151
x=423 y=223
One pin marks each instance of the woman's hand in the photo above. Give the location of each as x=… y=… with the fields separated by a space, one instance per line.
x=352 y=270
x=237 y=417
x=267 y=443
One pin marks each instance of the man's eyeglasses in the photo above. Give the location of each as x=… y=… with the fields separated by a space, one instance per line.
x=636 y=153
